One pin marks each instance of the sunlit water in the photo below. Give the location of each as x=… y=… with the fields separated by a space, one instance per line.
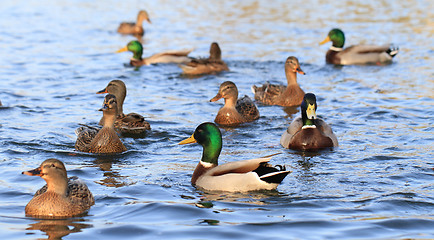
x=377 y=185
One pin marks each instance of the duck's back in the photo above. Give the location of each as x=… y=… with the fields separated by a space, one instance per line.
x=310 y=139
x=247 y=108
x=268 y=93
x=106 y=141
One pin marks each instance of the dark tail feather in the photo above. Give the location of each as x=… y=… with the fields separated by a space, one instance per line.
x=392 y=51
x=271 y=174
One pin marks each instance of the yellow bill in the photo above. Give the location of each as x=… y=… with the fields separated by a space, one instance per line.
x=124 y=49
x=311 y=114
x=327 y=39
x=188 y=140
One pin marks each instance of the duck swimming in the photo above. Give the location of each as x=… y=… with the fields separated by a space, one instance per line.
x=137 y=27
x=61 y=196
x=132 y=123
x=212 y=64
x=234 y=111
x=104 y=140
x=239 y=176
x=357 y=54
x=289 y=95
x=165 y=57
x=308 y=132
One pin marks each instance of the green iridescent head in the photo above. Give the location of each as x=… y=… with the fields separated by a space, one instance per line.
x=209 y=136
x=336 y=36
x=135 y=47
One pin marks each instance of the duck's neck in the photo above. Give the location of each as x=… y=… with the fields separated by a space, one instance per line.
x=120 y=97
x=306 y=120
x=211 y=151
x=58 y=186
x=109 y=120
x=291 y=77
x=231 y=102
x=137 y=55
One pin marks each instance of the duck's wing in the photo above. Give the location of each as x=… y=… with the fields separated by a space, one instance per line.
x=203 y=66
x=327 y=130
x=79 y=193
x=293 y=128
x=268 y=92
x=132 y=123
x=247 y=108
x=85 y=135
x=243 y=166
x=367 y=54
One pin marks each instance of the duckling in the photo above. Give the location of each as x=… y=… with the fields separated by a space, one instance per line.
x=357 y=54
x=290 y=95
x=135 y=28
x=308 y=132
x=105 y=140
x=212 y=64
x=234 y=111
x=165 y=57
x=132 y=123
x=61 y=196
x=239 y=176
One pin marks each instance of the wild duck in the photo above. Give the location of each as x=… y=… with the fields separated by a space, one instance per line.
x=132 y=123
x=234 y=111
x=239 y=176
x=290 y=95
x=61 y=196
x=357 y=54
x=173 y=56
x=137 y=27
x=212 y=64
x=104 y=140
x=308 y=132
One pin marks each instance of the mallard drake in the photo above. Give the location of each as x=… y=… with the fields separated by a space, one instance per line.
x=61 y=196
x=308 y=132
x=135 y=28
x=290 y=95
x=132 y=123
x=357 y=54
x=212 y=64
x=234 y=111
x=165 y=57
x=239 y=176
x=104 y=140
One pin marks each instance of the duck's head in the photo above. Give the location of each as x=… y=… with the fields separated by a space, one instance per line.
x=135 y=47
x=117 y=88
x=336 y=36
x=214 y=51
x=209 y=136
x=51 y=170
x=143 y=15
x=227 y=90
x=293 y=66
x=109 y=106
x=308 y=109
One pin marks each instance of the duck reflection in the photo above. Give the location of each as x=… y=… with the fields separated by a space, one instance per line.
x=263 y=197
x=56 y=229
x=111 y=177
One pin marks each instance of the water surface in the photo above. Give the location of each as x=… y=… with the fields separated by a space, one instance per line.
x=376 y=185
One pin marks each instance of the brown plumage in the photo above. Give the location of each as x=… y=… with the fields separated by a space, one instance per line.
x=135 y=28
x=234 y=111
x=61 y=196
x=132 y=123
x=290 y=95
x=212 y=64
x=105 y=140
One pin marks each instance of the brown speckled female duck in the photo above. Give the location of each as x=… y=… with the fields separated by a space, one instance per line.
x=356 y=54
x=213 y=64
x=132 y=123
x=290 y=95
x=308 y=132
x=61 y=196
x=105 y=140
x=234 y=111
x=135 y=28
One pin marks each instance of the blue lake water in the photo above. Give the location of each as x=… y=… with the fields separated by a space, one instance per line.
x=377 y=185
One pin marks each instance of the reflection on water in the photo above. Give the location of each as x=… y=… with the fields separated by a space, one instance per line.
x=56 y=229
x=111 y=177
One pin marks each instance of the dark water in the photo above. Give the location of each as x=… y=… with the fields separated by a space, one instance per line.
x=377 y=185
